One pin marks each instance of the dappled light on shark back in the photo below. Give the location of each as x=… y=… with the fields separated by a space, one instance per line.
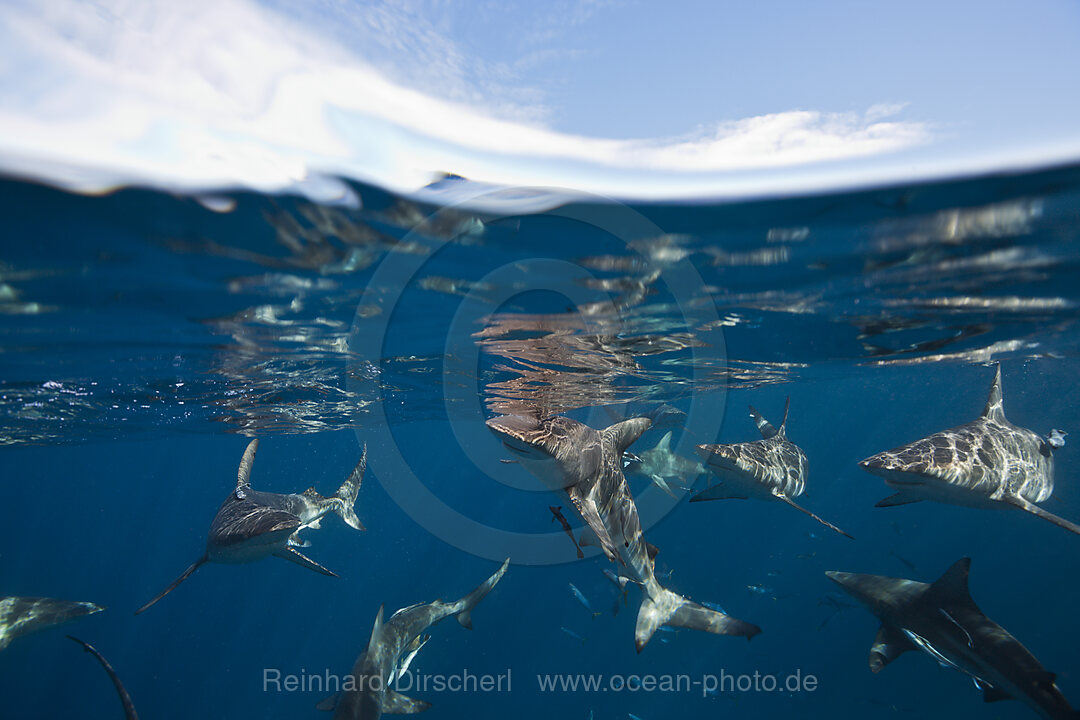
x=986 y=463
x=585 y=465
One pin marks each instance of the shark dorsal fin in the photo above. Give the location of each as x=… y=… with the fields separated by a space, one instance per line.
x=376 y=627
x=954 y=583
x=665 y=442
x=783 y=423
x=764 y=426
x=995 y=409
x=623 y=434
x=243 y=475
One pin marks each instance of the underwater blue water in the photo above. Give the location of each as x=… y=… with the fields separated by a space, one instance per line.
x=145 y=337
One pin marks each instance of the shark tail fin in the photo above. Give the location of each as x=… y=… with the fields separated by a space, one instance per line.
x=672 y=609
x=1045 y=515
x=467 y=603
x=348 y=491
x=623 y=434
x=801 y=509
x=184 y=576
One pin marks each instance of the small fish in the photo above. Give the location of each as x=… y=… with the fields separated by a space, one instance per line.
x=910 y=565
x=573 y=634
x=632 y=716
x=760 y=589
x=806 y=556
x=580 y=597
x=557 y=515
x=714 y=606
x=620 y=584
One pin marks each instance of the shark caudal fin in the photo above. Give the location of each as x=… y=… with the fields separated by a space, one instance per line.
x=467 y=603
x=1039 y=512
x=672 y=609
x=172 y=586
x=348 y=491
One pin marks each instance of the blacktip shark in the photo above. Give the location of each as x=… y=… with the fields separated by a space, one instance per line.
x=392 y=646
x=251 y=525
x=24 y=615
x=942 y=620
x=125 y=699
x=661 y=463
x=773 y=468
x=986 y=463
x=585 y=465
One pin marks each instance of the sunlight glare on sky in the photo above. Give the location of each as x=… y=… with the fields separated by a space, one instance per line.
x=627 y=98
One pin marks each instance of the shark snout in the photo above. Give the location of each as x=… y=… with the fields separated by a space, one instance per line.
x=881 y=461
x=838 y=577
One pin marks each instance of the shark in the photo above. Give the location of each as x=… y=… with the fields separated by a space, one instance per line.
x=585 y=465
x=253 y=524
x=986 y=463
x=391 y=648
x=661 y=463
x=24 y=615
x=125 y=699
x=772 y=468
x=942 y=620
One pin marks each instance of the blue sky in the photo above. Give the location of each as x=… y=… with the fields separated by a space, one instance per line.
x=627 y=98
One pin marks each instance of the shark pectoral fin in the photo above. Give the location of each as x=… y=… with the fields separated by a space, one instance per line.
x=718 y=492
x=888 y=645
x=172 y=586
x=290 y=554
x=1039 y=512
x=394 y=703
x=696 y=617
x=662 y=484
x=904 y=497
x=243 y=475
x=676 y=611
x=591 y=516
x=329 y=704
x=800 y=508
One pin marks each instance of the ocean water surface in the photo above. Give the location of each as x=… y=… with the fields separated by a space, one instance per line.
x=146 y=337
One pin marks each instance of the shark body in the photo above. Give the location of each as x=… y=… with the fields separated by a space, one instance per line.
x=251 y=524
x=661 y=464
x=772 y=468
x=942 y=620
x=585 y=465
x=986 y=463
x=392 y=646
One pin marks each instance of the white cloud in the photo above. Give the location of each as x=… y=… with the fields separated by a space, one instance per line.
x=223 y=92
